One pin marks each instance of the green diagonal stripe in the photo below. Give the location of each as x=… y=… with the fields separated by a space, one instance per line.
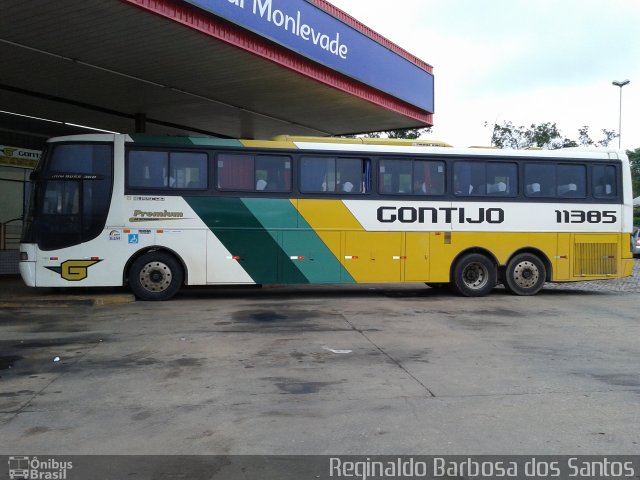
x=296 y=237
x=243 y=235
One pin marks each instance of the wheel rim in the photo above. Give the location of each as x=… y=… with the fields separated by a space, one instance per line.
x=526 y=274
x=155 y=277
x=475 y=276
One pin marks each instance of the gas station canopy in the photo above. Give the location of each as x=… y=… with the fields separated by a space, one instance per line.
x=229 y=68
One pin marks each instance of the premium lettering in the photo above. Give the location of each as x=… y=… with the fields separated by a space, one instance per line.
x=142 y=216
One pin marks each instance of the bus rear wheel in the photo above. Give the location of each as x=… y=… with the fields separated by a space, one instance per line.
x=474 y=275
x=155 y=276
x=525 y=275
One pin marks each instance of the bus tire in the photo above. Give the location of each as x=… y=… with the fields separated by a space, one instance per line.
x=525 y=274
x=155 y=276
x=474 y=275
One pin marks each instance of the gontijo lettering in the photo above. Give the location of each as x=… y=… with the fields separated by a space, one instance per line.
x=443 y=214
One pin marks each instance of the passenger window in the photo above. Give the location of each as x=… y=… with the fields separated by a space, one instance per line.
x=572 y=181
x=395 y=176
x=502 y=179
x=485 y=179
x=235 y=172
x=317 y=174
x=539 y=180
x=411 y=177
x=550 y=180
x=273 y=173
x=242 y=172
x=334 y=175
x=350 y=175
x=172 y=170
x=428 y=178
x=148 y=169
x=188 y=170
x=469 y=179
x=604 y=181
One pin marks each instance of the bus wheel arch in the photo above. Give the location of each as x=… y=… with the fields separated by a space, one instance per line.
x=474 y=272
x=155 y=273
x=526 y=272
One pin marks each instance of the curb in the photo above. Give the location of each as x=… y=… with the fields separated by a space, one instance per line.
x=67 y=301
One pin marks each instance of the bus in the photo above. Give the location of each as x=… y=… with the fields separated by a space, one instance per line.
x=156 y=213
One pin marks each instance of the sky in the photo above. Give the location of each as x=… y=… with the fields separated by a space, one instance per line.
x=527 y=62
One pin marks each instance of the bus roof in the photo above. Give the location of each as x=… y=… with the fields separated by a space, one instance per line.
x=364 y=145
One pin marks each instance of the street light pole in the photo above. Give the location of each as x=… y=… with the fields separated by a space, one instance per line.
x=620 y=84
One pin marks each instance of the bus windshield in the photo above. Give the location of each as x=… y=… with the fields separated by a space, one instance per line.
x=71 y=194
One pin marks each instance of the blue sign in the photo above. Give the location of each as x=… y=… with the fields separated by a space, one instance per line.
x=314 y=33
x=133 y=238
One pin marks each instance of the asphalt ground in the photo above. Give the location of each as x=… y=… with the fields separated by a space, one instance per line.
x=322 y=370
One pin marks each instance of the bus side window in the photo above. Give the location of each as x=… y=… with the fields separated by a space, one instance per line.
x=317 y=174
x=411 y=177
x=469 y=179
x=539 y=180
x=188 y=170
x=604 y=181
x=148 y=169
x=502 y=179
x=334 y=175
x=572 y=180
x=428 y=177
x=395 y=176
x=350 y=175
x=273 y=173
x=235 y=171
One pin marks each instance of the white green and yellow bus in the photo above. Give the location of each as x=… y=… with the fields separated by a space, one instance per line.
x=156 y=213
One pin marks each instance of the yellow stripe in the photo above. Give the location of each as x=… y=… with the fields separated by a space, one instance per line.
x=326 y=218
x=367 y=256
x=427 y=256
x=329 y=218
x=327 y=215
x=268 y=144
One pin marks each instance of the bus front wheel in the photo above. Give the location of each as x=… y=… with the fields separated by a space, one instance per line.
x=474 y=275
x=525 y=275
x=155 y=276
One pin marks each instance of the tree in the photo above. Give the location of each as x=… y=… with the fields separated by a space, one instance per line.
x=634 y=159
x=545 y=135
x=585 y=140
x=403 y=133
x=408 y=133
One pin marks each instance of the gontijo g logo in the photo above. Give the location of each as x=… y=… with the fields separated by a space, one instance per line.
x=74 y=270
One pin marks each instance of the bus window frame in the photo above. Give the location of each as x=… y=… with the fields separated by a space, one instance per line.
x=368 y=174
x=168 y=190
x=413 y=159
x=254 y=154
